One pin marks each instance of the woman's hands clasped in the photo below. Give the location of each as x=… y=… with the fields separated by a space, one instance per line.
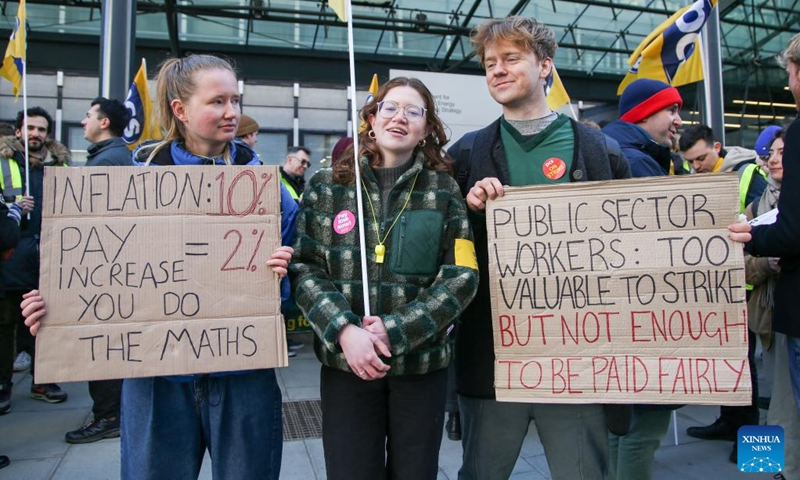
x=363 y=347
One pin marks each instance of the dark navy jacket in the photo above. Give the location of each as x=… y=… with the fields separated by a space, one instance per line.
x=107 y=153
x=646 y=157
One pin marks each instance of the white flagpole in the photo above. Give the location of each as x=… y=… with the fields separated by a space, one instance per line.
x=706 y=84
x=25 y=114
x=572 y=110
x=355 y=122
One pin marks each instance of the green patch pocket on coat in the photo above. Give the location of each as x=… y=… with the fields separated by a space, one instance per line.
x=417 y=243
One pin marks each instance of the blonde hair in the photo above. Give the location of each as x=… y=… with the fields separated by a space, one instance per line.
x=523 y=32
x=792 y=52
x=175 y=80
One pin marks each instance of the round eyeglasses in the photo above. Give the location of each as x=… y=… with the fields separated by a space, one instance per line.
x=413 y=113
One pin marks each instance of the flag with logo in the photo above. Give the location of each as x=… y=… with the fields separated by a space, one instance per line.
x=373 y=90
x=339 y=8
x=142 y=125
x=12 y=69
x=555 y=92
x=668 y=53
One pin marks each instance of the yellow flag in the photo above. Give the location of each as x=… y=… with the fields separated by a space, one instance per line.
x=556 y=93
x=373 y=87
x=338 y=6
x=15 y=53
x=142 y=125
x=373 y=90
x=668 y=53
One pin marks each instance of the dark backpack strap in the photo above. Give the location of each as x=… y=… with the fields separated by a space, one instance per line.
x=464 y=161
x=244 y=153
x=613 y=149
x=616 y=159
x=163 y=157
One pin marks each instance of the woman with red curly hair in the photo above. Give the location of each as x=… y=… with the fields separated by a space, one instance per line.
x=384 y=376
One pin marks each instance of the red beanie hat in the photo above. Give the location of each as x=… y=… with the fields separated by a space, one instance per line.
x=645 y=97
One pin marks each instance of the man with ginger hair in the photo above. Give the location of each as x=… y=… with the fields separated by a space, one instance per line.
x=516 y=53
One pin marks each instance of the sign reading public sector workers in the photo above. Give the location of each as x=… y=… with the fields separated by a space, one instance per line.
x=159 y=271
x=619 y=292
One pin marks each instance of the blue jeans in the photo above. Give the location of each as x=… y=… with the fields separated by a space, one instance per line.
x=632 y=455
x=168 y=425
x=793 y=343
x=574 y=438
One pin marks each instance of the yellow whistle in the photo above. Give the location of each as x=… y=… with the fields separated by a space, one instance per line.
x=380 y=251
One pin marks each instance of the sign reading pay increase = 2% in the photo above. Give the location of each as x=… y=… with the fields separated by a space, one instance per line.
x=236 y=259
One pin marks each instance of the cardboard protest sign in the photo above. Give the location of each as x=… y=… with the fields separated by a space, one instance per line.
x=619 y=292
x=159 y=271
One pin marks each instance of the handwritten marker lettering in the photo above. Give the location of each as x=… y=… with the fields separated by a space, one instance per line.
x=343 y=222
x=149 y=268
x=629 y=291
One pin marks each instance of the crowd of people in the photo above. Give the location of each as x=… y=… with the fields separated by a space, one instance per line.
x=384 y=373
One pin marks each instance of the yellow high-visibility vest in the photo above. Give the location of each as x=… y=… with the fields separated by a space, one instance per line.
x=745 y=177
x=11 y=179
x=291 y=189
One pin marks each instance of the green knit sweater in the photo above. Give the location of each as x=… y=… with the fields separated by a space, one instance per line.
x=428 y=276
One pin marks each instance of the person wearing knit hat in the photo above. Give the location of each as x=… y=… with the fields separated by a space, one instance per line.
x=340 y=147
x=644 y=97
x=764 y=140
x=248 y=130
x=649 y=119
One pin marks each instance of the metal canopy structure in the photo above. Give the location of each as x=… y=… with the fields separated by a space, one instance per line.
x=596 y=37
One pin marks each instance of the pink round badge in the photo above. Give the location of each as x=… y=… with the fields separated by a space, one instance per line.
x=343 y=222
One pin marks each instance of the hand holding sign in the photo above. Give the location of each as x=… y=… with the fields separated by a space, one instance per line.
x=33 y=310
x=484 y=190
x=279 y=260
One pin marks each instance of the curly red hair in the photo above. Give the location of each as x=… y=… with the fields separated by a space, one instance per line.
x=435 y=156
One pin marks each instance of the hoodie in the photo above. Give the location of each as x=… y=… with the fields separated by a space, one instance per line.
x=734 y=158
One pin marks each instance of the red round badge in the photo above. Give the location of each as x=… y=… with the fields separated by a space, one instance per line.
x=554 y=168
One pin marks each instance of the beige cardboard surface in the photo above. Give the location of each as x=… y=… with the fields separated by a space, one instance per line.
x=618 y=292
x=159 y=271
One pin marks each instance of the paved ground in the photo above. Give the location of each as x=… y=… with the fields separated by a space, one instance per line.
x=33 y=436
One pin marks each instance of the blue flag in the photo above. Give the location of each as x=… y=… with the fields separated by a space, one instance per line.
x=670 y=52
x=142 y=125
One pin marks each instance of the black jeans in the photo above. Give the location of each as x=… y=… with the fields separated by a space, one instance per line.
x=106 y=396
x=387 y=429
x=10 y=320
x=747 y=414
x=451 y=405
